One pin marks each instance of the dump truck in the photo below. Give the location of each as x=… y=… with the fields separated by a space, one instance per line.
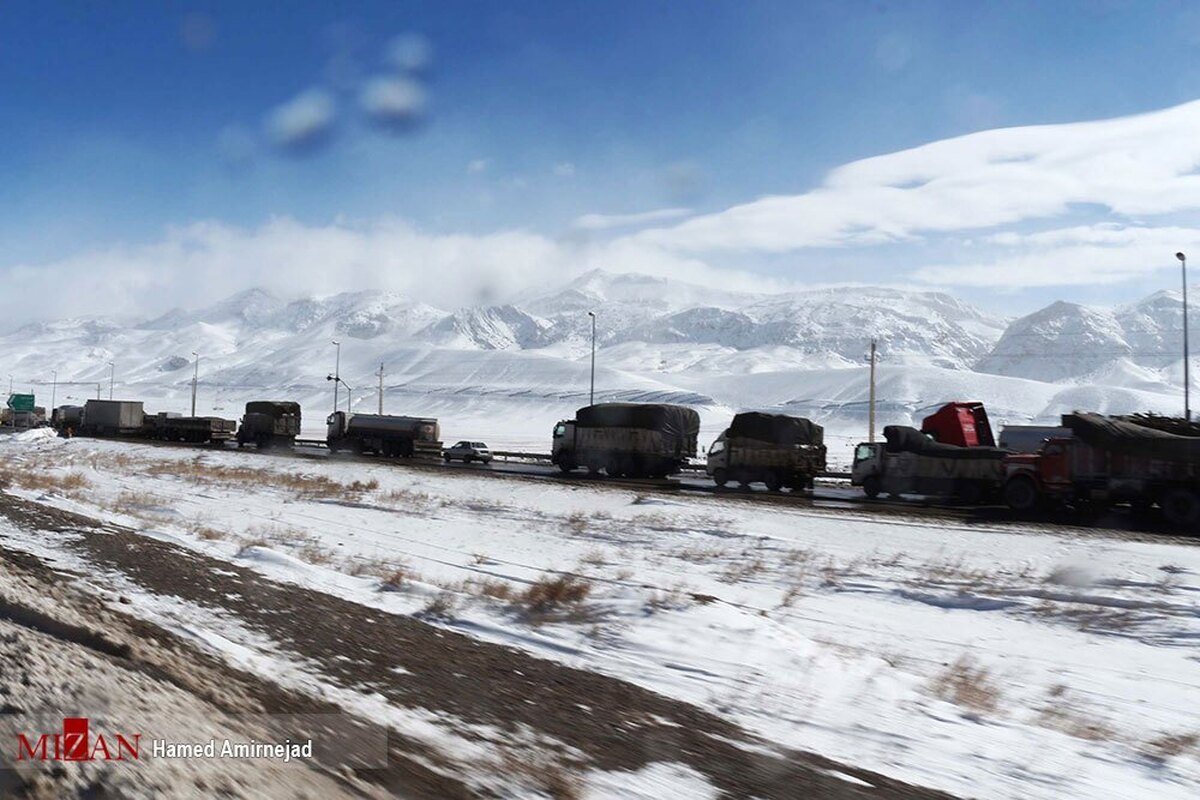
x=1108 y=461
x=775 y=449
x=953 y=455
x=636 y=440
x=384 y=434
x=112 y=418
x=198 y=430
x=269 y=423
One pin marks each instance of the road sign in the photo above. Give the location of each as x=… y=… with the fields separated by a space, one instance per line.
x=20 y=402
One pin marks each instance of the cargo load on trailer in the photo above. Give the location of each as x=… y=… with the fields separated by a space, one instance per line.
x=1110 y=461
x=269 y=423
x=112 y=418
x=1030 y=438
x=384 y=434
x=774 y=449
x=630 y=439
x=197 y=430
x=953 y=455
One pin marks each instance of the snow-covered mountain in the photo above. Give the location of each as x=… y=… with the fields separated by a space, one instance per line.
x=1064 y=341
x=497 y=369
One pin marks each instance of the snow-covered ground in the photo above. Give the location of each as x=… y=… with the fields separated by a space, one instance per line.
x=986 y=661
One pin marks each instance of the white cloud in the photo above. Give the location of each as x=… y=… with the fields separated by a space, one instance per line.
x=565 y=170
x=1080 y=255
x=204 y=262
x=393 y=101
x=478 y=165
x=1138 y=165
x=302 y=122
x=598 y=222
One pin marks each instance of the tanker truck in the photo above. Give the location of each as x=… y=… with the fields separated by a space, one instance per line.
x=384 y=434
x=635 y=440
x=778 y=450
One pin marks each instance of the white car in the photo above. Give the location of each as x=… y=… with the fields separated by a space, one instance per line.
x=467 y=452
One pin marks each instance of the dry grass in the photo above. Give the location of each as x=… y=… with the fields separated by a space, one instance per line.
x=554 y=592
x=36 y=480
x=441 y=606
x=1064 y=716
x=395 y=580
x=545 y=774
x=1169 y=745
x=250 y=543
x=967 y=685
x=743 y=570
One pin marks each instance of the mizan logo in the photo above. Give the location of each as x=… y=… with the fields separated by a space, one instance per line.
x=76 y=743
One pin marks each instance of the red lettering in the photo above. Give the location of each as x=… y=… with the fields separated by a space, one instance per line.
x=100 y=745
x=75 y=739
x=123 y=746
x=24 y=748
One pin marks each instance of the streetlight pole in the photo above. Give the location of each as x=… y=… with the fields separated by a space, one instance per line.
x=381 y=390
x=592 y=390
x=112 y=378
x=53 y=389
x=195 y=380
x=871 y=401
x=337 y=373
x=1187 y=378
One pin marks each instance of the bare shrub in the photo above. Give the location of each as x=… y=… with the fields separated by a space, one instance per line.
x=440 y=606
x=250 y=543
x=968 y=685
x=1060 y=715
x=542 y=772
x=577 y=521
x=594 y=558
x=314 y=554
x=1169 y=745
x=495 y=589
x=396 y=579
x=207 y=533
x=742 y=570
x=554 y=592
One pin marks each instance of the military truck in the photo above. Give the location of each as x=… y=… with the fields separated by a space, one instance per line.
x=953 y=455
x=1108 y=461
x=384 y=434
x=635 y=440
x=169 y=427
x=269 y=423
x=776 y=449
x=112 y=418
x=66 y=420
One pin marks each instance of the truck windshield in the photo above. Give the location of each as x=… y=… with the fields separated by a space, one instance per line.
x=717 y=447
x=863 y=452
x=559 y=430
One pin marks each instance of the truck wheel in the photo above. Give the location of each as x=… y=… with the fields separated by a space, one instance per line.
x=566 y=465
x=872 y=486
x=593 y=470
x=1021 y=494
x=720 y=476
x=613 y=468
x=772 y=482
x=1181 y=507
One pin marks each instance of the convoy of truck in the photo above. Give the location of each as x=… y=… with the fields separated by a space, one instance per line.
x=1088 y=461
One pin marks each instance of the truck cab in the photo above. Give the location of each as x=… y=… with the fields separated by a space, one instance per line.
x=562 y=446
x=867 y=470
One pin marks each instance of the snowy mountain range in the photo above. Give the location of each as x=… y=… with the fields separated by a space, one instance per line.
x=657 y=339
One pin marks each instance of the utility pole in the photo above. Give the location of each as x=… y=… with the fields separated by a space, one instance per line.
x=871 y=411
x=97 y=391
x=380 y=390
x=195 y=380
x=337 y=374
x=112 y=378
x=53 y=389
x=592 y=390
x=1187 y=377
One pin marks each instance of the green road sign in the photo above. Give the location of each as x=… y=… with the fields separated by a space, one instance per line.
x=20 y=402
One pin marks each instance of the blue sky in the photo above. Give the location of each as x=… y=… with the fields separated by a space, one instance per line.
x=123 y=127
